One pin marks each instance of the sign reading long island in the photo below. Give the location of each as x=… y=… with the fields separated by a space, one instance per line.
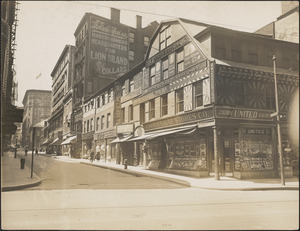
x=109 y=48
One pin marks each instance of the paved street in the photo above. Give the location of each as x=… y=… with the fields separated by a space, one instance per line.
x=57 y=174
x=161 y=209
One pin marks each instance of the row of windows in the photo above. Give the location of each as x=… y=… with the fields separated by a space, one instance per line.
x=165 y=63
x=130 y=88
x=101 y=123
x=236 y=55
x=132 y=38
x=100 y=101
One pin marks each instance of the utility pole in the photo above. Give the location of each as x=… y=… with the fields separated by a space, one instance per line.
x=33 y=134
x=278 y=124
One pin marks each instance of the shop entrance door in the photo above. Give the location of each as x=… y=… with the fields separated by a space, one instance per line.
x=226 y=158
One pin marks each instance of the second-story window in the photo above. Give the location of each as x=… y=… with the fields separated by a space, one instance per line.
x=84 y=127
x=151 y=109
x=102 y=122
x=179 y=100
x=152 y=75
x=103 y=99
x=239 y=93
x=123 y=115
x=87 y=126
x=130 y=113
x=180 y=61
x=164 y=105
x=198 y=89
x=165 y=68
x=108 y=120
x=131 y=84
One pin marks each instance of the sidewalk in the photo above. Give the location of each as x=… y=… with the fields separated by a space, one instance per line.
x=225 y=183
x=13 y=177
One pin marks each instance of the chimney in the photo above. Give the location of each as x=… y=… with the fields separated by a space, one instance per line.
x=115 y=15
x=138 y=22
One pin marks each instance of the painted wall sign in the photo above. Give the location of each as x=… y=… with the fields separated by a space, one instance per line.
x=179 y=120
x=242 y=114
x=106 y=134
x=124 y=128
x=257 y=131
x=109 y=48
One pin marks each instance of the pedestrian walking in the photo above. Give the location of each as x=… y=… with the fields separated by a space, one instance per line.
x=36 y=152
x=92 y=155
x=98 y=152
x=26 y=150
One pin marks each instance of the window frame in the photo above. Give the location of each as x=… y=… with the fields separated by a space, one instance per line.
x=179 y=101
x=164 y=105
x=165 y=69
x=108 y=119
x=180 y=62
x=198 y=95
x=122 y=117
x=102 y=122
x=130 y=113
x=152 y=75
x=131 y=84
x=151 y=109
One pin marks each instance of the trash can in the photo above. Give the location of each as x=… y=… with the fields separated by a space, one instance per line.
x=22 y=161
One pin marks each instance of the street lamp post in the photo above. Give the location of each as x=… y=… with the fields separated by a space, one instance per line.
x=278 y=124
x=16 y=147
x=33 y=134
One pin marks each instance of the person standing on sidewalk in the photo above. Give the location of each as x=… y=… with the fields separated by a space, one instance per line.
x=36 y=152
x=92 y=155
x=26 y=150
x=98 y=153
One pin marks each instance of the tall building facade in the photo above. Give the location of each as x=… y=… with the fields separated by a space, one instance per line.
x=286 y=27
x=9 y=112
x=37 y=107
x=105 y=49
x=61 y=103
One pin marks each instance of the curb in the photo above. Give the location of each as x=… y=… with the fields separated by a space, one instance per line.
x=22 y=186
x=188 y=184
x=137 y=174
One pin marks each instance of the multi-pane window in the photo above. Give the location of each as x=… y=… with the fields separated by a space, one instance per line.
x=270 y=96
x=123 y=115
x=165 y=38
x=87 y=126
x=239 y=93
x=146 y=41
x=164 y=105
x=130 y=113
x=180 y=61
x=131 y=37
x=198 y=89
x=142 y=113
x=131 y=55
x=165 y=68
x=98 y=124
x=152 y=75
x=253 y=58
x=179 y=100
x=151 y=109
x=131 y=84
x=220 y=53
x=236 y=55
x=84 y=127
x=102 y=122
x=108 y=120
x=123 y=88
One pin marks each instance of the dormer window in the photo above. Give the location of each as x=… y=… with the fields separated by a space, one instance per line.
x=165 y=38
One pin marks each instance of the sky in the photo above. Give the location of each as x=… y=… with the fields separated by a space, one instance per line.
x=45 y=27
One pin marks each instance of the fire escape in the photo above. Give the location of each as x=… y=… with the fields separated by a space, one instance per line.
x=14 y=95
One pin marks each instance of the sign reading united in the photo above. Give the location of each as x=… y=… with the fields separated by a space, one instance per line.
x=109 y=48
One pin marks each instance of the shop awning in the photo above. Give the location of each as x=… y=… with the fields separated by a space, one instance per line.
x=152 y=135
x=57 y=141
x=120 y=140
x=68 y=140
x=46 y=142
